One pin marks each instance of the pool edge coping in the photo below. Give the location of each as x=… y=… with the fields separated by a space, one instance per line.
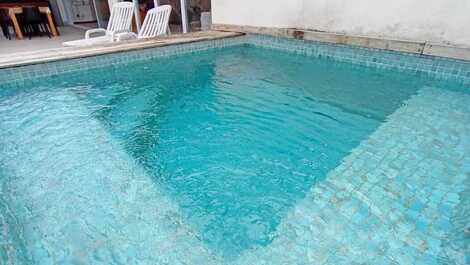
x=25 y=66
x=425 y=48
x=67 y=53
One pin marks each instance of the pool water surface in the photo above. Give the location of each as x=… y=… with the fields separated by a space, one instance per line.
x=240 y=138
x=210 y=157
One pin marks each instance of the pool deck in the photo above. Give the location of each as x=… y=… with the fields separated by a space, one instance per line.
x=64 y=53
x=38 y=43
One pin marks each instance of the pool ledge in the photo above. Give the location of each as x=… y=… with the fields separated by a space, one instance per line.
x=52 y=55
x=417 y=47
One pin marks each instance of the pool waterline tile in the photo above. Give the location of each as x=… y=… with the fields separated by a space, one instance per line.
x=434 y=67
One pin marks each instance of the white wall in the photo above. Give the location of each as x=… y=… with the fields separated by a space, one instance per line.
x=441 y=21
x=257 y=12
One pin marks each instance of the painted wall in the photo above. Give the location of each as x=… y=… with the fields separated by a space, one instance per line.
x=257 y=12
x=441 y=21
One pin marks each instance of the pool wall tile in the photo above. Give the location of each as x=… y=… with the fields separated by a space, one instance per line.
x=437 y=67
x=16 y=76
x=430 y=66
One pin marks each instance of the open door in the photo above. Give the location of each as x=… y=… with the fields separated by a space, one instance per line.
x=102 y=12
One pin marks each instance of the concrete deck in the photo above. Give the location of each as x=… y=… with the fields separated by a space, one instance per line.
x=7 y=47
x=58 y=52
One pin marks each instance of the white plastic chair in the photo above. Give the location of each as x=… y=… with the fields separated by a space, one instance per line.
x=119 y=22
x=155 y=24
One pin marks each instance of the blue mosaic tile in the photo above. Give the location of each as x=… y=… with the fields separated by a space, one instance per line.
x=395 y=222
x=22 y=73
x=435 y=67
x=438 y=67
x=366 y=211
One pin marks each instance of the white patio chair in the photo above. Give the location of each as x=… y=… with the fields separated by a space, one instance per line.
x=155 y=24
x=119 y=22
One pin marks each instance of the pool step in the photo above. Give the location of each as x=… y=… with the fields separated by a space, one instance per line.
x=388 y=202
x=78 y=197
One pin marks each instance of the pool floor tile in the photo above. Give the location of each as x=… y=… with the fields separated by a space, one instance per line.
x=90 y=203
x=395 y=220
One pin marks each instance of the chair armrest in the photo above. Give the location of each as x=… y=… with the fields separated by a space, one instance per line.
x=125 y=36
x=117 y=33
x=92 y=31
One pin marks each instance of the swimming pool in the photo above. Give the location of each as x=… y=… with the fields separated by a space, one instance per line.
x=250 y=150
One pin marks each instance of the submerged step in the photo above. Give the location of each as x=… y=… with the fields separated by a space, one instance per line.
x=394 y=200
x=75 y=195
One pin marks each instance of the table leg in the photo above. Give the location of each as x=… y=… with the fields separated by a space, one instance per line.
x=51 y=24
x=19 y=34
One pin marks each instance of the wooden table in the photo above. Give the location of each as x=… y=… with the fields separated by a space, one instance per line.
x=17 y=8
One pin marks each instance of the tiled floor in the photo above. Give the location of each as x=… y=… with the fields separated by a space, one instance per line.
x=7 y=47
x=388 y=202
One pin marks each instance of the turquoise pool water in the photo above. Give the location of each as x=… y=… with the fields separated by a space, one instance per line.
x=238 y=140
x=210 y=158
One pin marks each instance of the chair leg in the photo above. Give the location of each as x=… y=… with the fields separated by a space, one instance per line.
x=37 y=29
x=41 y=29
x=46 y=30
x=4 y=30
x=30 y=31
x=25 y=30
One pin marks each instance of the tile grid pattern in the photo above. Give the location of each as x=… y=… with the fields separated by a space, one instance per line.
x=21 y=74
x=406 y=224
x=109 y=211
x=387 y=202
x=440 y=68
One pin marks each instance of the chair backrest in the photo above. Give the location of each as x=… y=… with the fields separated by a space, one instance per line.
x=32 y=15
x=4 y=17
x=155 y=22
x=121 y=17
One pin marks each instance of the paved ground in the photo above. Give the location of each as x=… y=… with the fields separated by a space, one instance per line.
x=13 y=56
x=67 y=33
x=7 y=47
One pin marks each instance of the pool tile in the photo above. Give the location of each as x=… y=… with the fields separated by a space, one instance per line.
x=366 y=206
x=406 y=229
x=435 y=67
